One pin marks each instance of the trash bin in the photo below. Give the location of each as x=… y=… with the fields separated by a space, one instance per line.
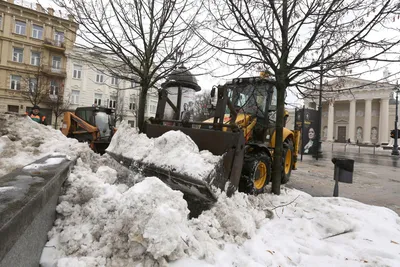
x=343 y=173
x=343 y=170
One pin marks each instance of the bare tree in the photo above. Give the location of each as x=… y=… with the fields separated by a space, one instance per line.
x=36 y=83
x=149 y=37
x=57 y=102
x=298 y=41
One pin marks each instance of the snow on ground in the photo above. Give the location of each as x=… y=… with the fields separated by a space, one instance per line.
x=23 y=141
x=173 y=150
x=107 y=218
x=106 y=224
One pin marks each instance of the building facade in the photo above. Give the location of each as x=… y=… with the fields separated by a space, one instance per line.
x=33 y=44
x=358 y=110
x=89 y=84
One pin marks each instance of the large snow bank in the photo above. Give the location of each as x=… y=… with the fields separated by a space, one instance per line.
x=173 y=150
x=102 y=223
x=105 y=224
x=23 y=141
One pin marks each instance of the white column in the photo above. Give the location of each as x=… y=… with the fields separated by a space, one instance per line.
x=384 y=121
x=367 y=122
x=352 y=121
x=331 y=113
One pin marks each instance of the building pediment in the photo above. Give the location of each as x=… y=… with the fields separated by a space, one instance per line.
x=341 y=121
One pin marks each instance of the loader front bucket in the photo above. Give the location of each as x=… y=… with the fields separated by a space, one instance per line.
x=229 y=145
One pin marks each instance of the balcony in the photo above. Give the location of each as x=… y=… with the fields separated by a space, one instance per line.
x=50 y=71
x=54 y=45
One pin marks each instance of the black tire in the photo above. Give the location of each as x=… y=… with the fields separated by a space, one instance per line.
x=287 y=166
x=253 y=166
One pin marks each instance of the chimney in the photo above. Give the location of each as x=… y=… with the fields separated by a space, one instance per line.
x=50 y=11
x=70 y=17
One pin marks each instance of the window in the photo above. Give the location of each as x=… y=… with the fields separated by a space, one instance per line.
x=75 y=97
x=153 y=107
x=132 y=105
x=20 y=27
x=37 y=32
x=12 y=108
x=32 y=85
x=54 y=86
x=97 y=99
x=18 y=55
x=113 y=102
x=56 y=62
x=15 y=82
x=1 y=22
x=35 y=58
x=59 y=37
x=77 y=73
x=99 y=77
x=114 y=80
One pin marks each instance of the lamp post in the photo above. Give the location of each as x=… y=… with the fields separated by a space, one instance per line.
x=395 y=150
x=318 y=143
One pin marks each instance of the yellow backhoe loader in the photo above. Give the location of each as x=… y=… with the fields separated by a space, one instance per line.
x=94 y=125
x=242 y=130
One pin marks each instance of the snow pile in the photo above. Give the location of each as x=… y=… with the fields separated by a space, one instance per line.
x=23 y=141
x=173 y=150
x=103 y=223
x=106 y=224
x=309 y=231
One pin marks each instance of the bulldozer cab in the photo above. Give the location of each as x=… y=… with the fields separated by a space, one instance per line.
x=255 y=97
x=101 y=117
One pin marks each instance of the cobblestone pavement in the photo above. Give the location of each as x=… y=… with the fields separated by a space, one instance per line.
x=373 y=184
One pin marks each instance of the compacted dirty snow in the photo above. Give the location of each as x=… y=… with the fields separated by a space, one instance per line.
x=107 y=217
x=23 y=141
x=173 y=150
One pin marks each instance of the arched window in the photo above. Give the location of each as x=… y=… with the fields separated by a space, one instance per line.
x=374 y=135
x=359 y=134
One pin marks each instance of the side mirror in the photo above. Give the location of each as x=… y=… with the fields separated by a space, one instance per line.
x=213 y=92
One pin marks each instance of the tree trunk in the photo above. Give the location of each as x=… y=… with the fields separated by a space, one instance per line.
x=141 y=109
x=55 y=122
x=277 y=163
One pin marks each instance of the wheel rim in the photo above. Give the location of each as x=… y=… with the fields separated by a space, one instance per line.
x=288 y=161
x=260 y=175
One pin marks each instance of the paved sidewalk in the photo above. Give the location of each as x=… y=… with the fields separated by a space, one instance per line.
x=372 y=184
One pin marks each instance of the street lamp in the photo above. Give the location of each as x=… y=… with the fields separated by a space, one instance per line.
x=395 y=150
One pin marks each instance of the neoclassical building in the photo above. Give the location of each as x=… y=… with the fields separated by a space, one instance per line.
x=356 y=109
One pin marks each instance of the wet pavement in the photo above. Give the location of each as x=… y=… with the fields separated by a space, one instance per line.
x=380 y=160
x=376 y=178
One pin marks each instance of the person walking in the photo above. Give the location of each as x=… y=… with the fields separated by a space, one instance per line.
x=36 y=116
